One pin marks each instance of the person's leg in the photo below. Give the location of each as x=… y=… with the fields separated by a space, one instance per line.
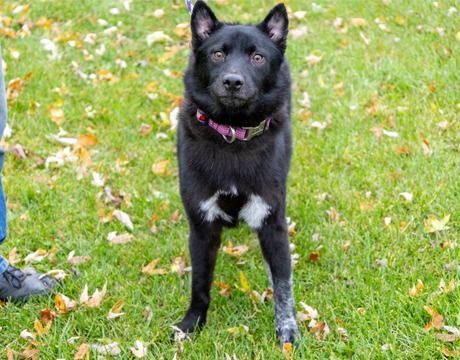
x=3 y=116
x=15 y=284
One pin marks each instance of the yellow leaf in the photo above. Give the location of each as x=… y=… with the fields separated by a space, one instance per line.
x=287 y=351
x=416 y=289
x=115 y=311
x=40 y=329
x=244 y=283
x=161 y=167
x=433 y=224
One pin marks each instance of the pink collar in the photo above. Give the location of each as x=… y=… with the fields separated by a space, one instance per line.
x=230 y=133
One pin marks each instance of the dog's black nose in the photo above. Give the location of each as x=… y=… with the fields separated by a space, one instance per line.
x=233 y=82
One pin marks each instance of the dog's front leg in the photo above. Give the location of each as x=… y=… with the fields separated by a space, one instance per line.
x=204 y=243
x=275 y=248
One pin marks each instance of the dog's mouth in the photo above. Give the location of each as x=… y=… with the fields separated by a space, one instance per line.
x=233 y=102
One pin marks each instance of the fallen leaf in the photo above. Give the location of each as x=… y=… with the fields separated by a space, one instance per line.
x=454 y=334
x=437 y=320
x=123 y=218
x=145 y=129
x=95 y=300
x=287 y=350
x=29 y=354
x=178 y=266
x=27 y=335
x=161 y=168
x=308 y=314
x=115 y=311
x=40 y=329
x=225 y=289
x=150 y=268
x=314 y=256
x=119 y=239
x=358 y=22
x=75 y=260
x=416 y=289
x=86 y=140
x=109 y=349
x=235 y=251
x=238 y=330
x=63 y=304
x=321 y=330
x=37 y=256
x=82 y=352
x=433 y=224
x=156 y=37
x=427 y=148
x=244 y=283
x=48 y=315
x=407 y=196
x=140 y=350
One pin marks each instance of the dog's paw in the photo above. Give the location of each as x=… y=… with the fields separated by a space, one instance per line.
x=191 y=322
x=288 y=333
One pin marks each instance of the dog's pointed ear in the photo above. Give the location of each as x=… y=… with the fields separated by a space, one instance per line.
x=276 y=25
x=204 y=23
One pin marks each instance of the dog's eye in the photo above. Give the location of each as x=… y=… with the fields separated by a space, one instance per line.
x=218 y=56
x=258 y=59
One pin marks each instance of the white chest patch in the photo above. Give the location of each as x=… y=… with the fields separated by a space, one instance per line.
x=211 y=209
x=254 y=211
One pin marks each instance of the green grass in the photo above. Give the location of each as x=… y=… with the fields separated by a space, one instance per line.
x=412 y=70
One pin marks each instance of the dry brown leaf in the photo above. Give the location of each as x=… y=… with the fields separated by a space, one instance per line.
x=437 y=320
x=150 y=268
x=9 y=354
x=119 y=239
x=235 y=251
x=161 y=167
x=416 y=289
x=56 y=113
x=86 y=140
x=37 y=256
x=95 y=300
x=450 y=352
x=63 y=304
x=225 y=289
x=145 y=129
x=82 y=352
x=40 y=329
x=29 y=353
x=75 y=260
x=48 y=315
x=13 y=257
x=426 y=148
x=287 y=350
x=314 y=256
x=109 y=349
x=320 y=329
x=175 y=217
x=140 y=350
x=124 y=218
x=178 y=266
x=115 y=311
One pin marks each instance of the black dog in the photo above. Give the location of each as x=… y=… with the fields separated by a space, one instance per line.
x=234 y=150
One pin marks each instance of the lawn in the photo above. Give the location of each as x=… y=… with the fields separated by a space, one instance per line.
x=374 y=187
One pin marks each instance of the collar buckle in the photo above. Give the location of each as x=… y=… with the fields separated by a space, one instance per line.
x=254 y=131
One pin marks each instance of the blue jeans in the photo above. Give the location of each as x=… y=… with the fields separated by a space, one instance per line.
x=3 y=115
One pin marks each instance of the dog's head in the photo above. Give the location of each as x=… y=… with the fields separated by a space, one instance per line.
x=236 y=67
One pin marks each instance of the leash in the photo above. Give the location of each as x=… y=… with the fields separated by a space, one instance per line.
x=189 y=4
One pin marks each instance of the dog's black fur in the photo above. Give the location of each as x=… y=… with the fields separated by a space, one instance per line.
x=221 y=182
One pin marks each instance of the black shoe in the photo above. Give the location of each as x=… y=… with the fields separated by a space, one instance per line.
x=18 y=285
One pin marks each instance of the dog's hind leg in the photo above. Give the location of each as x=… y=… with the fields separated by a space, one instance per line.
x=204 y=242
x=275 y=247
